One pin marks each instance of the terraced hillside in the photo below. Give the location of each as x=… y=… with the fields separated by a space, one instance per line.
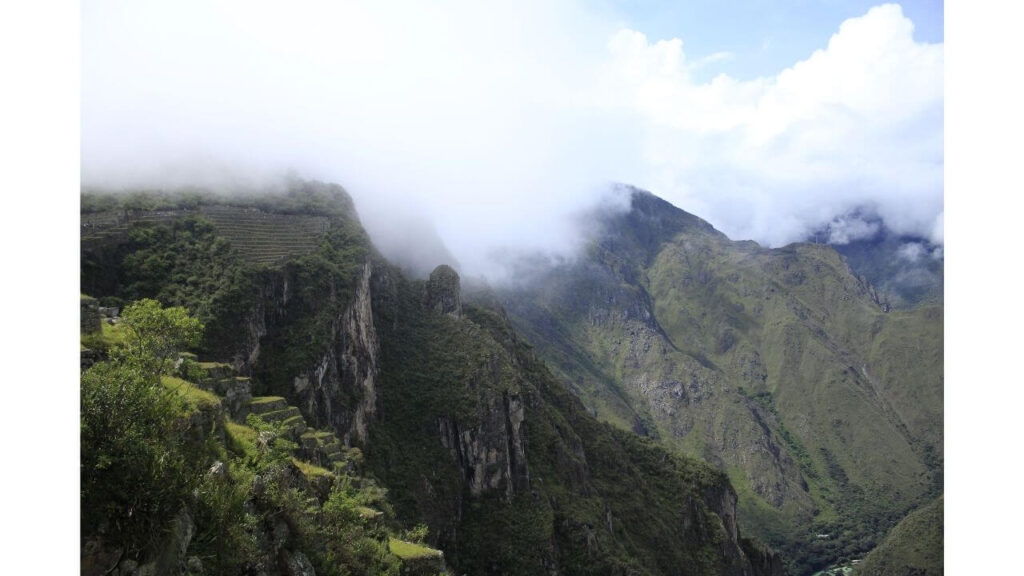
x=272 y=496
x=259 y=236
x=264 y=237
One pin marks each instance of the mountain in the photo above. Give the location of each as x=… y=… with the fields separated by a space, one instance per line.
x=903 y=270
x=913 y=547
x=430 y=409
x=781 y=367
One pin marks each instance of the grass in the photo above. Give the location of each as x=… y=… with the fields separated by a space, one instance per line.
x=241 y=438
x=409 y=551
x=194 y=397
x=310 y=470
x=109 y=336
x=293 y=421
x=266 y=399
x=369 y=513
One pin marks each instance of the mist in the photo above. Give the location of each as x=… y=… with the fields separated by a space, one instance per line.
x=485 y=130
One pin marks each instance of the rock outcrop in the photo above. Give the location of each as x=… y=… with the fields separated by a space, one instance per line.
x=91 y=320
x=336 y=386
x=339 y=391
x=443 y=292
x=491 y=454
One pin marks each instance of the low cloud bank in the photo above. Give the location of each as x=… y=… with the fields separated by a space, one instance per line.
x=494 y=126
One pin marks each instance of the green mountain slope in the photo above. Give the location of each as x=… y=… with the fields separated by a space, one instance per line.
x=778 y=366
x=913 y=547
x=457 y=418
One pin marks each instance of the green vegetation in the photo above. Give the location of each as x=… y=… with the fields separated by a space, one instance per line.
x=409 y=551
x=109 y=336
x=130 y=431
x=192 y=248
x=598 y=500
x=914 y=546
x=241 y=439
x=298 y=197
x=138 y=430
x=179 y=262
x=777 y=366
x=193 y=398
x=324 y=283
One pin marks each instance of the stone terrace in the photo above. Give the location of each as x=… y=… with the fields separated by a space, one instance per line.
x=260 y=237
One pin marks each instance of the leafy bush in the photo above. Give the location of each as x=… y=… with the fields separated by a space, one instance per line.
x=135 y=470
x=352 y=544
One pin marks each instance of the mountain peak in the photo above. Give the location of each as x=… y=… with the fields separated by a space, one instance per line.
x=649 y=222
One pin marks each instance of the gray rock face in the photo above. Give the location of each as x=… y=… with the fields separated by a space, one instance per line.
x=492 y=453
x=91 y=320
x=171 y=558
x=348 y=369
x=88 y=358
x=297 y=564
x=337 y=390
x=443 y=292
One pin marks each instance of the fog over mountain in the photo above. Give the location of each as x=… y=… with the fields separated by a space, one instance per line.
x=493 y=125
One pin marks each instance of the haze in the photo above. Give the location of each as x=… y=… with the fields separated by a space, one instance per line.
x=495 y=125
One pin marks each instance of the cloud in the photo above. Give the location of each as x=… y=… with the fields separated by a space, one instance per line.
x=911 y=251
x=850 y=228
x=858 y=123
x=495 y=125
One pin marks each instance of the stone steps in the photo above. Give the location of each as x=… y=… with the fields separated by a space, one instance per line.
x=281 y=414
x=318 y=447
x=323 y=448
x=296 y=425
x=263 y=404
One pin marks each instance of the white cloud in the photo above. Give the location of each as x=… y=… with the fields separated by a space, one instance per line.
x=495 y=123
x=911 y=251
x=844 y=230
x=858 y=123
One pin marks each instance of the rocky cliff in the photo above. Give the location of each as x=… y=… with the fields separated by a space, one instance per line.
x=335 y=385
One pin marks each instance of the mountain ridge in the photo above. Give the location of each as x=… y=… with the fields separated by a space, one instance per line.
x=740 y=355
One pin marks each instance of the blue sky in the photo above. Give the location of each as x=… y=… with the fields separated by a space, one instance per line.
x=762 y=36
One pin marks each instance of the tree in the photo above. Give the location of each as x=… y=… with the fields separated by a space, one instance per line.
x=154 y=335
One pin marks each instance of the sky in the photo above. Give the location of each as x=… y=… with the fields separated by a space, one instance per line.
x=496 y=124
